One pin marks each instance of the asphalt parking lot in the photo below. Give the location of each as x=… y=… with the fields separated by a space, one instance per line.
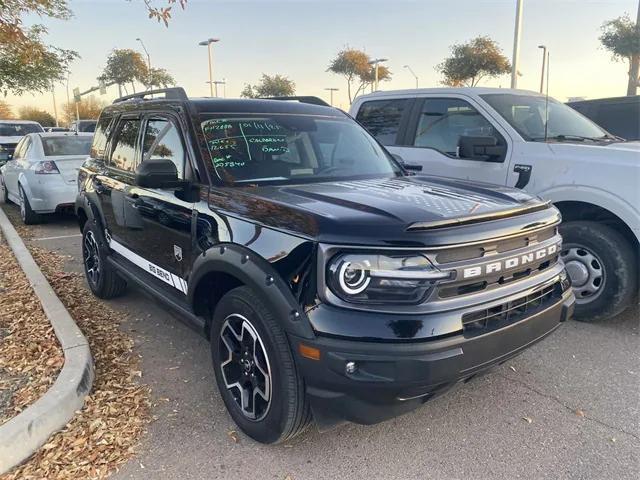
x=567 y=408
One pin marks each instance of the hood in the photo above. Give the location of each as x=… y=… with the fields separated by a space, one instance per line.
x=618 y=152
x=394 y=211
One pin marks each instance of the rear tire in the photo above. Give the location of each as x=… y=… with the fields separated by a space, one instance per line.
x=102 y=278
x=242 y=322
x=603 y=269
x=28 y=216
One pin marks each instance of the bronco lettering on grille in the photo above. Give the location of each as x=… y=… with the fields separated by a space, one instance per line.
x=511 y=262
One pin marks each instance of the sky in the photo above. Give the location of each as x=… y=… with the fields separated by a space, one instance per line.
x=299 y=38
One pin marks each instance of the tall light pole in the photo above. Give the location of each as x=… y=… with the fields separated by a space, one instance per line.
x=219 y=82
x=375 y=62
x=544 y=62
x=412 y=73
x=55 y=107
x=331 y=89
x=148 y=58
x=516 y=45
x=207 y=43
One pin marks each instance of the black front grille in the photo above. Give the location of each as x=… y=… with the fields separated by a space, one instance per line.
x=485 y=320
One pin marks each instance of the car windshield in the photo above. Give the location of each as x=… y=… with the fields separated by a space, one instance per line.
x=526 y=113
x=18 y=129
x=66 y=145
x=293 y=148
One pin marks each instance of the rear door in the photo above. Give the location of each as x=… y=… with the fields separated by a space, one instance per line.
x=114 y=185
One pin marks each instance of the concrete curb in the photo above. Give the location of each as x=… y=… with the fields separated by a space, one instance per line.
x=21 y=436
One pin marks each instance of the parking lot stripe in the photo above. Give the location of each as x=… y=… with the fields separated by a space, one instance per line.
x=59 y=237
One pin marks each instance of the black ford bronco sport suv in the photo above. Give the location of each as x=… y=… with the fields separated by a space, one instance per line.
x=330 y=281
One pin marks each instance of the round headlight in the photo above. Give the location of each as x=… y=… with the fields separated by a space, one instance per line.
x=353 y=278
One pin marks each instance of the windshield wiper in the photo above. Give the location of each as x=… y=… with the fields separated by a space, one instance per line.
x=568 y=138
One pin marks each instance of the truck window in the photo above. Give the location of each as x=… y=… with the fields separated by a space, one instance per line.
x=444 y=120
x=162 y=140
x=123 y=155
x=100 y=137
x=622 y=119
x=382 y=118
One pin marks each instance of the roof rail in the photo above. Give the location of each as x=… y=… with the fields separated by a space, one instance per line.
x=175 y=93
x=303 y=99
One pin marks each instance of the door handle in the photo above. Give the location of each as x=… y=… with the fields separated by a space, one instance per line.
x=524 y=174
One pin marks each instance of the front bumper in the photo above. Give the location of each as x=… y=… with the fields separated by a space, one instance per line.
x=394 y=378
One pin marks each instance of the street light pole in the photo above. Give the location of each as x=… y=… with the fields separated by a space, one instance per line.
x=516 y=45
x=412 y=73
x=207 y=43
x=331 y=89
x=55 y=107
x=544 y=62
x=148 y=59
x=375 y=62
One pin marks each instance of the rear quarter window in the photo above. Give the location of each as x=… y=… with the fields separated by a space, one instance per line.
x=382 y=118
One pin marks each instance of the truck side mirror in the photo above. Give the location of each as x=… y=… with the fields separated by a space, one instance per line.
x=480 y=148
x=406 y=166
x=158 y=173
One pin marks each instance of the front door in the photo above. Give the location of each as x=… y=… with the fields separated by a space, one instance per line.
x=163 y=232
x=432 y=137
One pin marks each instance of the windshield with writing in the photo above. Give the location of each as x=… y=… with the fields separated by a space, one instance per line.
x=526 y=113
x=292 y=148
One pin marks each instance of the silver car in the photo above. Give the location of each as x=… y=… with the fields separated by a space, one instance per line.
x=41 y=174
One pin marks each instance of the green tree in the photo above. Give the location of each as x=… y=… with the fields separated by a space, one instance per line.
x=43 y=117
x=27 y=62
x=124 y=66
x=473 y=61
x=6 y=113
x=270 y=86
x=621 y=36
x=354 y=66
x=158 y=77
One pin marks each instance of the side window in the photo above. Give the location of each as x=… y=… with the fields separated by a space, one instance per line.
x=382 y=118
x=100 y=137
x=162 y=140
x=124 y=150
x=444 y=120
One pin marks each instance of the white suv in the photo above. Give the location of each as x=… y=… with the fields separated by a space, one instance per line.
x=501 y=136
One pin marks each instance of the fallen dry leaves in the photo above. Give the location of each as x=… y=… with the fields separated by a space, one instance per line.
x=30 y=355
x=105 y=433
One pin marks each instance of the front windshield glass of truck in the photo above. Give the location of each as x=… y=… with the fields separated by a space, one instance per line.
x=526 y=113
x=19 y=129
x=292 y=148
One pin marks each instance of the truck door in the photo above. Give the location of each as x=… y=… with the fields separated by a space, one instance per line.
x=435 y=132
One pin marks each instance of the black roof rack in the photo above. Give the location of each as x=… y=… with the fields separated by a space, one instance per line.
x=175 y=93
x=302 y=99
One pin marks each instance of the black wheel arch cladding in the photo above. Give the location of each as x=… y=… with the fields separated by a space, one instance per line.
x=258 y=274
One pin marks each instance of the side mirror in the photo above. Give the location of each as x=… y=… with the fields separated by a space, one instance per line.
x=406 y=166
x=480 y=148
x=158 y=173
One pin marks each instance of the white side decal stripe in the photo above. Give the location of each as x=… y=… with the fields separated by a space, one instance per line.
x=158 y=272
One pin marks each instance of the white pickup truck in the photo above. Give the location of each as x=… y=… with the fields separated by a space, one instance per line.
x=522 y=139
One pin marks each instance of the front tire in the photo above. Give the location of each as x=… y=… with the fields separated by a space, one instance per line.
x=102 y=278
x=28 y=216
x=603 y=269
x=255 y=371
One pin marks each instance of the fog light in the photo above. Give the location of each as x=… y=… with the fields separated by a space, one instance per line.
x=350 y=367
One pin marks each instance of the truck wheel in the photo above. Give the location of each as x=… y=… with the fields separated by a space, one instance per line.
x=255 y=370
x=102 y=278
x=603 y=269
x=28 y=216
